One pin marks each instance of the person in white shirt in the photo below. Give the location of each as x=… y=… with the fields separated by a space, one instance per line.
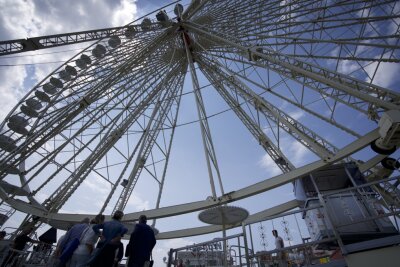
x=87 y=242
x=280 y=245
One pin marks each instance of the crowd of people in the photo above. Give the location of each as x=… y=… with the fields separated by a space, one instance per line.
x=17 y=246
x=95 y=243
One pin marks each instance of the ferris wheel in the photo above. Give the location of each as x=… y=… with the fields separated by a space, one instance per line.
x=112 y=110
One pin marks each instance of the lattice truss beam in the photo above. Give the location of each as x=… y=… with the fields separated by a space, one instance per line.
x=35 y=43
x=118 y=97
x=241 y=36
x=236 y=89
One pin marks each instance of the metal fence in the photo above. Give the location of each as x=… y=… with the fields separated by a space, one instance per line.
x=327 y=227
x=228 y=251
x=38 y=255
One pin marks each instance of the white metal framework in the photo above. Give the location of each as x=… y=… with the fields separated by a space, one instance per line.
x=112 y=110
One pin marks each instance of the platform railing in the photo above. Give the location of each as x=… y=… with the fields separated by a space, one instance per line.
x=211 y=253
x=298 y=250
x=337 y=234
x=38 y=255
x=335 y=237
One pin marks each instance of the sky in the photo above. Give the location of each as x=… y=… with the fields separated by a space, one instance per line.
x=243 y=162
x=22 y=19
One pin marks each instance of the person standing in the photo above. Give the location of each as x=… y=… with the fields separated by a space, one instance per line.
x=18 y=246
x=180 y=263
x=71 y=241
x=3 y=246
x=87 y=241
x=119 y=254
x=113 y=231
x=141 y=243
x=279 y=245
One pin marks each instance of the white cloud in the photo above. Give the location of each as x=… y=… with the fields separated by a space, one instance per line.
x=347 y=66
x=386 y=75
x=11 y=84
x=97 y=184
x=297 y=114
x=22 y=19
x=124 y=13
x=18 y=18
x=296 y=153
x=268 y=163
x=137 y=203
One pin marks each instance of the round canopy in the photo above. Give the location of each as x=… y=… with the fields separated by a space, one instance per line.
x=223 y=215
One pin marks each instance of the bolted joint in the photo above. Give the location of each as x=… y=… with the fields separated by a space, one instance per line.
x=252 y=56
x=116 y=134
x=262 y=140
x=84 y=102
x=257 y=104
x=141 y=162
x=280 y=161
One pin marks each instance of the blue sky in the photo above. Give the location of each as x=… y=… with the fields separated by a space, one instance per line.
x=242 y=161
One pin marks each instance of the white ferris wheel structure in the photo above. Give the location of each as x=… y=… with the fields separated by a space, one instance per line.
x=113 y=109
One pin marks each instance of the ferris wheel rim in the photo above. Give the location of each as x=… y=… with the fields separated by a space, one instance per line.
x=230 y=197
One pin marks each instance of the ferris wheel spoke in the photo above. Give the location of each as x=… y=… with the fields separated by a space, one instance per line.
x=340 y=23
x=245 y=13
x=119 y=179
x=109 y=126
x=58 y=124
x=365 y=97
x=279 y=158
x=97 y=112
x=83 y=171
x=154 y=126
x=271 y=15
x=173 y=121
x=301 y=133
x=313 y=54
x=270 y=89
x=372 y=59
x=369 y=108
x=208 y=146
x=113 y=135
x=62 y=146
x=128 y=162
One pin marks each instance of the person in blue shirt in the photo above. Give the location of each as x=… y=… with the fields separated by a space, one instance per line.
x=141 y=243
x=73 y=233
x=111 y=236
